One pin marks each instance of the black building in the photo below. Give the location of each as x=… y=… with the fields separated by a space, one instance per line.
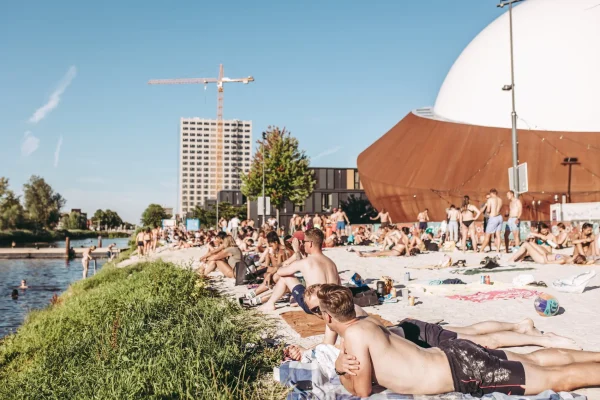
x=333 y=186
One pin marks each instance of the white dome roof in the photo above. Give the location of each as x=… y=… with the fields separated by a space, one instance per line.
x=557 y=70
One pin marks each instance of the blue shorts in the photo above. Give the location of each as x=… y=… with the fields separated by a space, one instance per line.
x=341 y=225
x=513 y=225
x=494 y=224
x=422 y=225
x=298 y=295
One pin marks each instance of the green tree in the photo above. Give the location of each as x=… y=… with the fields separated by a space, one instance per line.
x=358 y=210
x=99 y=219
x=12 y=215
x=74 y=220
x=42 y=203
x=153 y=215
x=288 y=176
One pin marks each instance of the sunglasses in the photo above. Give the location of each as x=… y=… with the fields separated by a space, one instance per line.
x=316 y=310
x=307 y=241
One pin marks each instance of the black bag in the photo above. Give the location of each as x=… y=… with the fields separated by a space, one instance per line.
x=240 y=273
x=364 y=296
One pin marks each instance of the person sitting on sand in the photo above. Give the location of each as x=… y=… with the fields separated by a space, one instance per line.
x=23 y=284
x=542 y=256
x=562 y=237
x=454 y=366
x=400 y=244
x=585 y=242
x=360 y=236
x=315 y=268
x=543 y=236
x=225 y=260
x=332 y=240
x=276 y=256
x=490 y=334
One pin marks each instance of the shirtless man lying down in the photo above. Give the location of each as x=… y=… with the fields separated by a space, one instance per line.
x=455 y=365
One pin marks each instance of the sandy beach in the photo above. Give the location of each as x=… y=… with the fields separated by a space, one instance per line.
x=577 y=318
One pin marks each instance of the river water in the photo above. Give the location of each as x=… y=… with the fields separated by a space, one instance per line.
x=44 y=279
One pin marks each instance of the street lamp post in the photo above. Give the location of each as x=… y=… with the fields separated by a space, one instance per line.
x=264 y=135
x=511 y=87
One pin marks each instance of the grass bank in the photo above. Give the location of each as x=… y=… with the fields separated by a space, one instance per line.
x=150 y=330
x=27 y=236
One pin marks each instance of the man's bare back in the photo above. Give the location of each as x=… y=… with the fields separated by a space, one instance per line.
x=318 y=269
x=395 y=363
x=494 y=204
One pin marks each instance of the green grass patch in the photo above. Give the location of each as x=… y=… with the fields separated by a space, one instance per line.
x=150 y=330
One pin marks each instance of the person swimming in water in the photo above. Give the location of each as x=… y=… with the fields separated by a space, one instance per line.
x=23 y=284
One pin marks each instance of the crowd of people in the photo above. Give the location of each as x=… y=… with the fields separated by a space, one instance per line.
x=290 y=265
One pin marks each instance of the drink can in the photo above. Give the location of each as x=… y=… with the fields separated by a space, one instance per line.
x=380 y=288
x=393 y=292
x=488 y=280
x=411 y=300
x=482 y=279
x=407 y=277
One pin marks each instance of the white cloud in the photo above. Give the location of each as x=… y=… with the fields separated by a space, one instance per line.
x=54 y=99
x=57 y=151
x=30 y=144
x=327 y=153
x=96 y=180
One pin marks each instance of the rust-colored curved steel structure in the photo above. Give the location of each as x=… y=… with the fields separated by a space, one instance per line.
x=427 y=163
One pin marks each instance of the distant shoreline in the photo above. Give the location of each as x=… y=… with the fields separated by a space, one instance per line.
x=27 y=236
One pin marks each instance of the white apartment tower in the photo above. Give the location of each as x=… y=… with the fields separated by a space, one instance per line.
x=198 y=158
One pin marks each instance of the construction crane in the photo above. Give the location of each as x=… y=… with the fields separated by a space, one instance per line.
x=219 y=148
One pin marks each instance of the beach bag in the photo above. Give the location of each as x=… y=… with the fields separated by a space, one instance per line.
x=241 y=273
x=364 y=296
x=449 y=246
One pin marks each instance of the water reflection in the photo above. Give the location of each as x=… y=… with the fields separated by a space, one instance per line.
x=44 y=279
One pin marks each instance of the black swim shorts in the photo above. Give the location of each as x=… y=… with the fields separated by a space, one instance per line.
x=476 y=371
x=424 y=334
x=422 y=225
x=298 y=295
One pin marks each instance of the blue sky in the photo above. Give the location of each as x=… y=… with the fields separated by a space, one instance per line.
x=75 y=107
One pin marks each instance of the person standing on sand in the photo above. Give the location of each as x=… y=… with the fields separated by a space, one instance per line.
x=514 y=220
x=140 y=242
x=423 y=218
x=85 y=260
x=468 y=214
x=384 y=216
x=494 y=227
x=317 y=222
x=453 y=217
x=155 y=236
x=342 y=220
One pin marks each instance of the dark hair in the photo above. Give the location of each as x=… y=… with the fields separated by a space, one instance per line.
x=221 y=235
x=542 y=225
x=465 y=203
x=452 y=206
x=414 y=251
x=338 y=301
x=494 y=191
x=316 y=236
x=15 y=293
x=561 y=225
x=587 y=225
x=406 y=230
x=272 y=237
x=579 y=259
x=511 y=191
x=250 y=240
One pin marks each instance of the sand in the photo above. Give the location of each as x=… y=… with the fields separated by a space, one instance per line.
x=578 y=319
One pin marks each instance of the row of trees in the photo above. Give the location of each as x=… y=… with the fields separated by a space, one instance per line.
x=41 y=207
